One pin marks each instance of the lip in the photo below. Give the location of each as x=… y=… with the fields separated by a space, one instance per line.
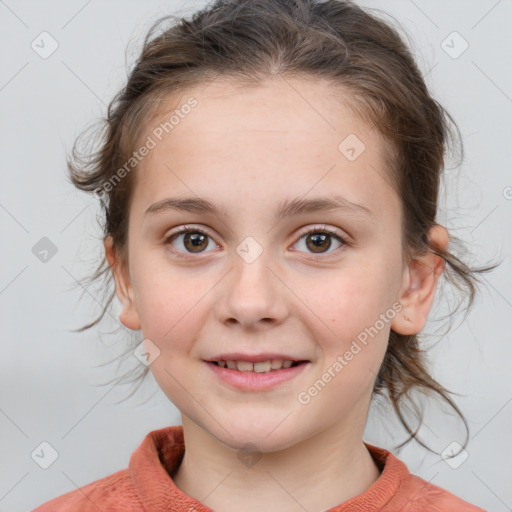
x=254 y=358
x=253 y=381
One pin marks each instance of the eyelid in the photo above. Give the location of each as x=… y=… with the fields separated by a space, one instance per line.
x=324 y=228
x=190 y=227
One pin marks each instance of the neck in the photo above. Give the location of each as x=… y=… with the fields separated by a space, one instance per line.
x=315 y=475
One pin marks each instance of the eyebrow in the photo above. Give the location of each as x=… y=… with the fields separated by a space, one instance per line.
x=287 y=208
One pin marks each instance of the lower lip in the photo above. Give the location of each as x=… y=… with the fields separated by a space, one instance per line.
x=253 y=381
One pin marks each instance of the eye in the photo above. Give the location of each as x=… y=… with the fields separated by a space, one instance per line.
x=318 y=240
x=194 y=240
x=190 y=240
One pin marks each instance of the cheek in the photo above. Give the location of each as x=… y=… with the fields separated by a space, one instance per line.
x=356 y=307
x=353 y=347
x=168 y=303
x=354 y=300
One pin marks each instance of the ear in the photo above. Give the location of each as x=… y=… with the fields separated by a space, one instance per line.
x=419 y=286
x=129 y=315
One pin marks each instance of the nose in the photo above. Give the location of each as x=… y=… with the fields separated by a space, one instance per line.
x=252 y=295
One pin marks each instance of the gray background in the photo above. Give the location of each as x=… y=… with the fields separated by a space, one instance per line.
x=50 y=379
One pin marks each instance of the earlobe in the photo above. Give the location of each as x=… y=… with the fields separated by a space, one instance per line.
x=129 y=315
x=421 y=279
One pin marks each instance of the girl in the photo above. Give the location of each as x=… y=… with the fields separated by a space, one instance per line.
x=269 y=177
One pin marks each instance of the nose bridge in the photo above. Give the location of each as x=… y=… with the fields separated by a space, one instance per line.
x=252 y=293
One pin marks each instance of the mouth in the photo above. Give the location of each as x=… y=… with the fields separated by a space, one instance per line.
x=256 y=376
x=270 y=366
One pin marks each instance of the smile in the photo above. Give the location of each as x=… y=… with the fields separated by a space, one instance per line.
x=259 y=376
x=260 y=367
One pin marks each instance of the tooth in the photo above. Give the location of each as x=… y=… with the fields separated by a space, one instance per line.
x=262 y=367
x=244 y=366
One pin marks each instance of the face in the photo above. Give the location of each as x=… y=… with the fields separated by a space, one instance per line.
x=249 y=283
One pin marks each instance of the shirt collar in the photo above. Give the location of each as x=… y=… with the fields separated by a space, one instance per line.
x=162 y=451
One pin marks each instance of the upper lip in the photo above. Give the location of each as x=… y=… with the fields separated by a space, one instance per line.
x=254 y=358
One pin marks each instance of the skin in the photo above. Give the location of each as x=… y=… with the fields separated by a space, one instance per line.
x=247 y=150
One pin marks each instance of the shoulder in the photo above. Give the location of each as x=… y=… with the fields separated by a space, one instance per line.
x=418 y=494
x=114 y=493
x=398 y=489
x=144 y=485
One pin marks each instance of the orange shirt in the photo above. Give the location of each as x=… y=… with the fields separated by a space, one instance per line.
x=145 y=486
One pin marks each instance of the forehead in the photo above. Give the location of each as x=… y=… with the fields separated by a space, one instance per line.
x=287 y=105
x=284 y=135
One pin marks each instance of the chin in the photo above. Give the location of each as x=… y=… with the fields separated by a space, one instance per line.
x=265 y=436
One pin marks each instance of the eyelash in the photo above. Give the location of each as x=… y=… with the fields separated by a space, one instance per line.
x=192 y=229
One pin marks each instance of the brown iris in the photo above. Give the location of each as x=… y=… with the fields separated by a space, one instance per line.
x=195 y=242
x=318 y=241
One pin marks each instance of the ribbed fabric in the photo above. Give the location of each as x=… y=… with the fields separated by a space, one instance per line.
x=145 y=486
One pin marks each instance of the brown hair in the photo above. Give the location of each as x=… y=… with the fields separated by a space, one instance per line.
x=251 y=40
